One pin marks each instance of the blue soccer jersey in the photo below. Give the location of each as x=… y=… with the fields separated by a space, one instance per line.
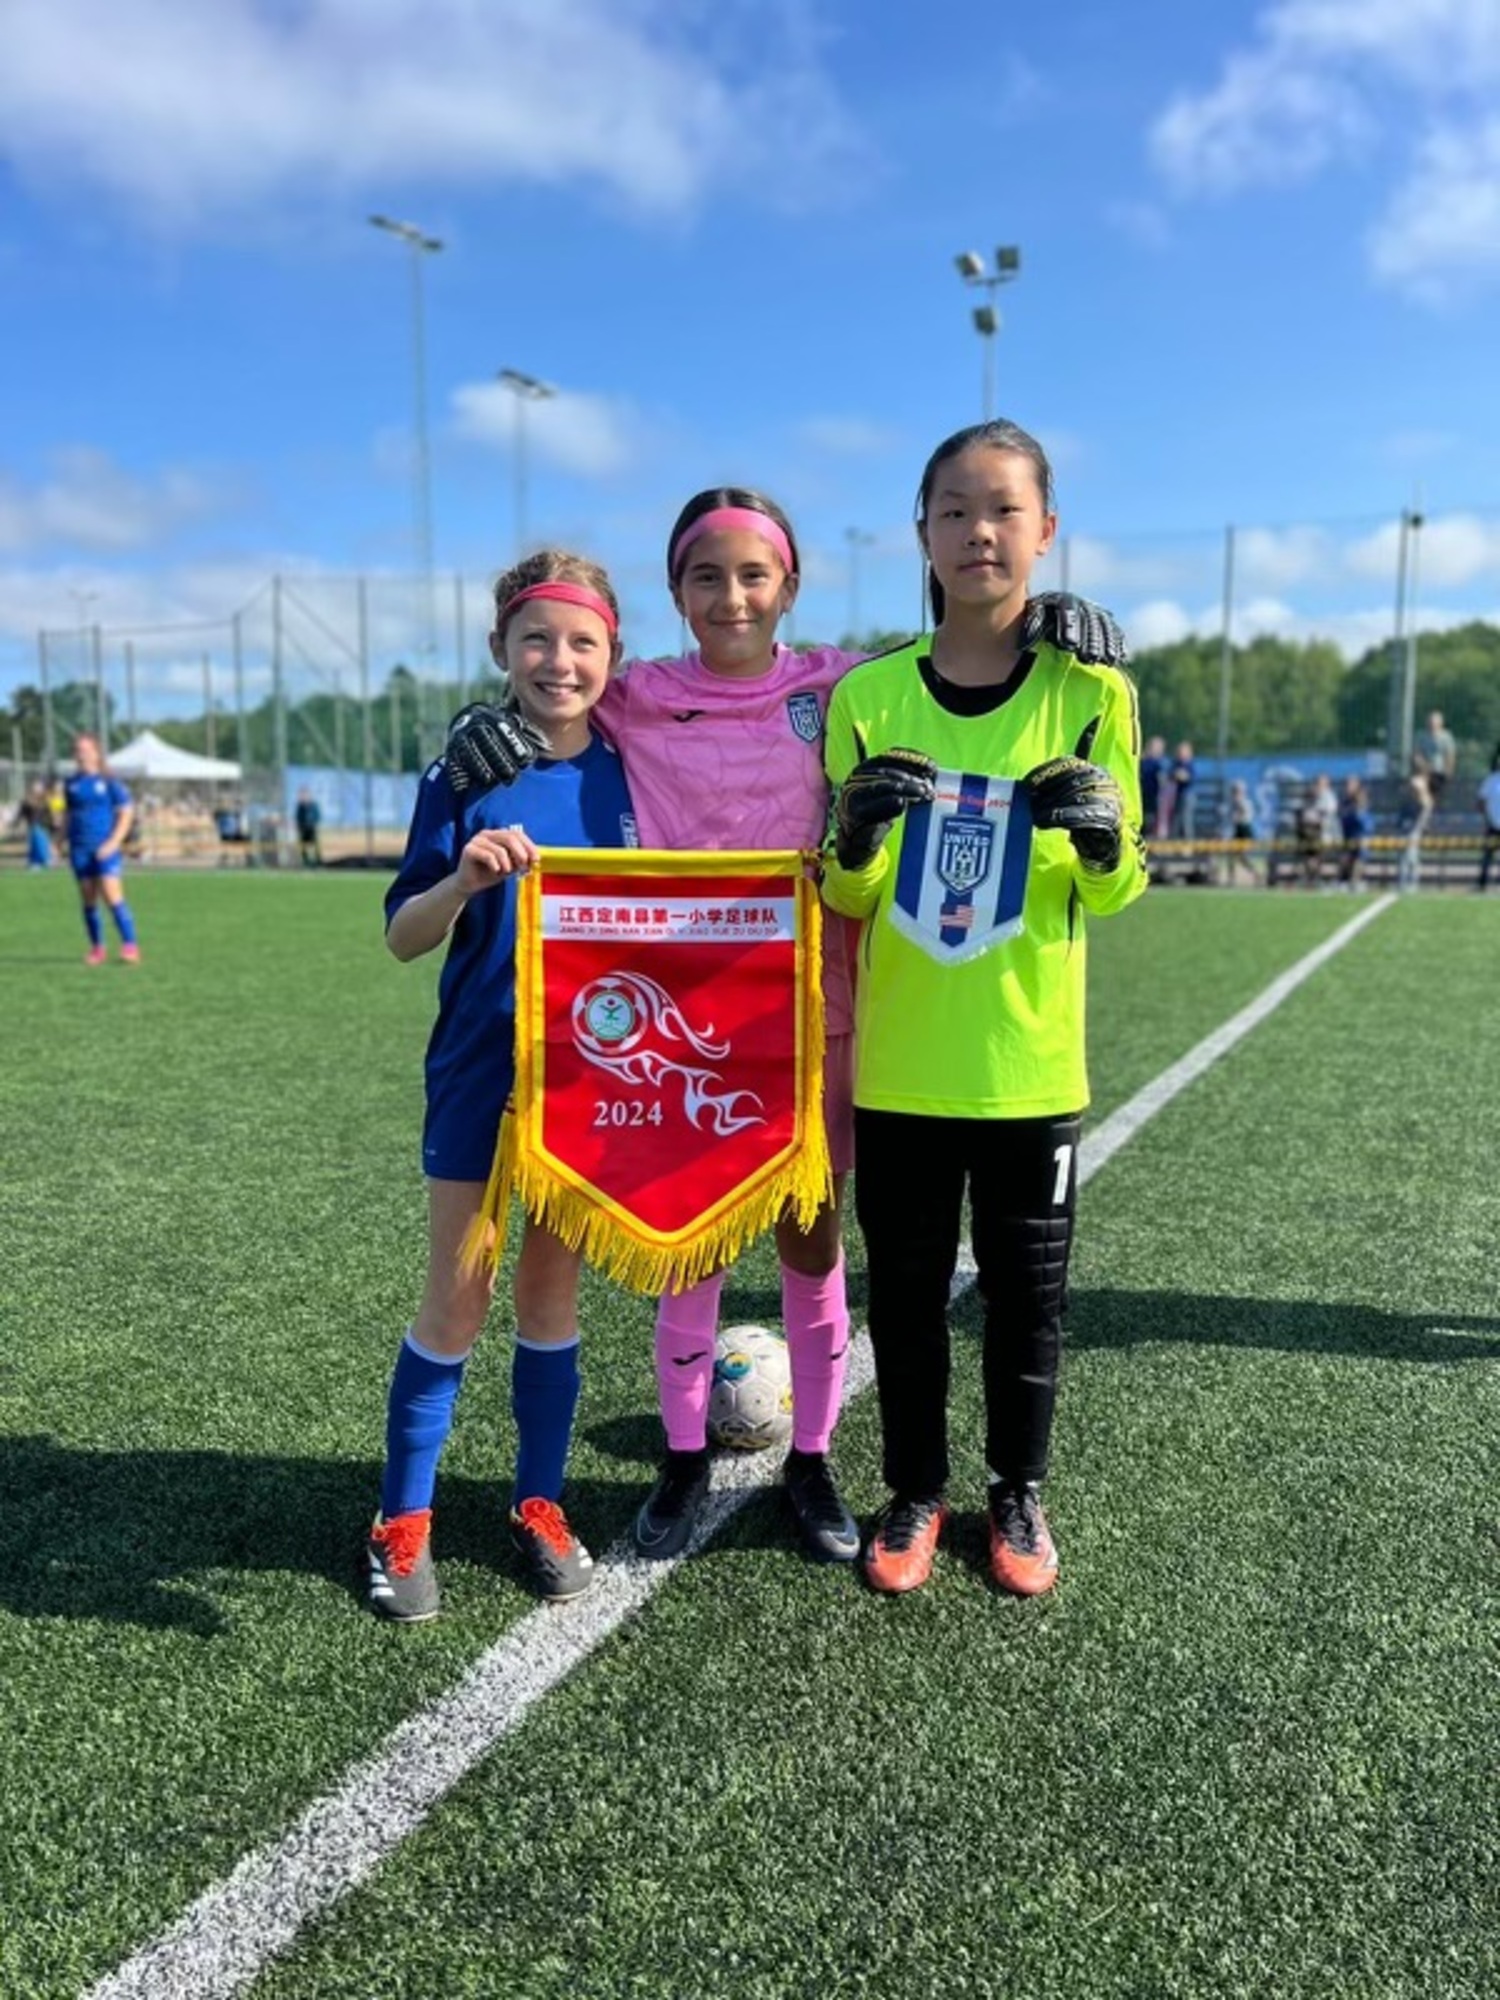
x=574 y=802
x=93 y=803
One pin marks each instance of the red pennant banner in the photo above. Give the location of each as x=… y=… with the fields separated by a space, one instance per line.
x=669 y=1052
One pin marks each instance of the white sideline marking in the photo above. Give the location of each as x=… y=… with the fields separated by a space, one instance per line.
x=1101 y=1145
x=233 y=1931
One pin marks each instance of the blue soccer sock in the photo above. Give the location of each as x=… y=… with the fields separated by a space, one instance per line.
x=544 y=1385
x=93 y=923
x=124 y=922
x=419 y=1416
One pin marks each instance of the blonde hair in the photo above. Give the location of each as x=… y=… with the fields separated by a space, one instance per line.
x=551 y=566
x=545 y=566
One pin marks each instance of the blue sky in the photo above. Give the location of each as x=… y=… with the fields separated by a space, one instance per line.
x=1260 y=268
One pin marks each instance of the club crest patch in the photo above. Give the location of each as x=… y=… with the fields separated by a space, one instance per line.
x=965 y=849
x=805 y=715
x=961 y=877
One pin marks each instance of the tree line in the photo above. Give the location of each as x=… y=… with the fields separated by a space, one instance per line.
x=1284 y=695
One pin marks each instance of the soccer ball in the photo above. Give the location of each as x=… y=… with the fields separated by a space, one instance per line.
x=750 y=1402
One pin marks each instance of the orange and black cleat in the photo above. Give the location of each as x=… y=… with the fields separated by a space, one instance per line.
x=898 y=1555
x=1023 y=1556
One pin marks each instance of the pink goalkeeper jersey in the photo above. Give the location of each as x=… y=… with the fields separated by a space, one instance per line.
x=715 y=762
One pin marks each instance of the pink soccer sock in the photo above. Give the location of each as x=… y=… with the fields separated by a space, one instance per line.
x=686 y=1323
x=816 y=1315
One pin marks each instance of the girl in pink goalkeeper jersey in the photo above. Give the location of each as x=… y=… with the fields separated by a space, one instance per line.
x=723 y=749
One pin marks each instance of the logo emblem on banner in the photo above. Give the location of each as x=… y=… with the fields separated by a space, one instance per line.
x=611 y=1019
x=669 y=1060
x=961 y=877
x=966 y=847
x=805 y=715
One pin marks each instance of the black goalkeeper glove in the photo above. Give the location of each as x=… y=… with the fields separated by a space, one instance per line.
x=1082 y=800
x=1075 y=626
x=489 y=746
x=874 y=796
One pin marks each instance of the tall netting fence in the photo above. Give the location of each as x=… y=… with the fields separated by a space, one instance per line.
x=1280 y=654
x=333 y=687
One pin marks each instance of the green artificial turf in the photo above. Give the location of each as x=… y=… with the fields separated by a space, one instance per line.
x=1242 y=1751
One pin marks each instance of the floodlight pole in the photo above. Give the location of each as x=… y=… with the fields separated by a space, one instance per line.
x=1403 y=689
x=421 y=246
x=89 y=649
x=49 y=720
x=857 y=538
x=1414 y=523
x=526 y=389
x=974 y=271
x=1226 y=655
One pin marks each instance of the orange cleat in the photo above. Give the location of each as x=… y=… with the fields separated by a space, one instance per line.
x=95 y=955
x=130 y=954
x=1023 y=1556
x=898 y=1555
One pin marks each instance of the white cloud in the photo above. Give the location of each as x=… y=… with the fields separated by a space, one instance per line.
x=1326 y=81
x=848 y=437
x=1441 y=232
x=89 y=502
x=1272 y=558
x=183 y=113
x=1142 y=221
x=1158 y=622
x=595 y=436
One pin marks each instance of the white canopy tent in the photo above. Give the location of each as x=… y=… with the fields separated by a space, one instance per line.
x=148 y=758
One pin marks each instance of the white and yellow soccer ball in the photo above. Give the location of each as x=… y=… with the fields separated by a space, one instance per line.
x=750 y=1402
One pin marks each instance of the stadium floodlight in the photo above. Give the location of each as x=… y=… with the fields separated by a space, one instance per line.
x=408 y=232
x=421 y=245
x=526 y=389
x=973 y=270
x=857 y=538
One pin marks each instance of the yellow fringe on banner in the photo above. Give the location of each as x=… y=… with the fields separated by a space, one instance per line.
x=614 y=1242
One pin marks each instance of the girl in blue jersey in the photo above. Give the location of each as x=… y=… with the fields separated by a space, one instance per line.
x=99 y=812
x=556 y=636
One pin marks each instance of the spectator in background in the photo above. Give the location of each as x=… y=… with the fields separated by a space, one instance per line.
x=1489 y=808
x=1180 y=777
x=1356 y=824
x=1412 y=818
x=1239 y=824
x=1311 y=827
x=1439 y=754
x=309 y=818
x=34 y=813
x=1326 y=800
x=1154 y=768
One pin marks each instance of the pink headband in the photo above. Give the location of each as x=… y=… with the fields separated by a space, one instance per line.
x=719 y=519
x=562 y=593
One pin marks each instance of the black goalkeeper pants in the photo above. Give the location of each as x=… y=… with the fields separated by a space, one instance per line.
x=910 y=1177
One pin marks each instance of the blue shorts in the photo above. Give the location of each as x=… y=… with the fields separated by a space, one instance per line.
x=89 y=868
x=462 y=1124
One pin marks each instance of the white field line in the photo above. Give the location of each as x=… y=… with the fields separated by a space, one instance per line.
x=234 y=1930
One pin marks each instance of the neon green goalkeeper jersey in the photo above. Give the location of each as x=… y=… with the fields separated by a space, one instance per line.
x=970 y=984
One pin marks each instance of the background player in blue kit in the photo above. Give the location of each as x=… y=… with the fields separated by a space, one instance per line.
x=99 y=813
x=556 y=635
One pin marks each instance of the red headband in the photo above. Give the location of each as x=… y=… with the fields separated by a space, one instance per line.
x=750 y=519
x=562 y=593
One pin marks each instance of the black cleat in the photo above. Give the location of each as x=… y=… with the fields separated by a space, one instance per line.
x=666 y=1519
x=829 y=1532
